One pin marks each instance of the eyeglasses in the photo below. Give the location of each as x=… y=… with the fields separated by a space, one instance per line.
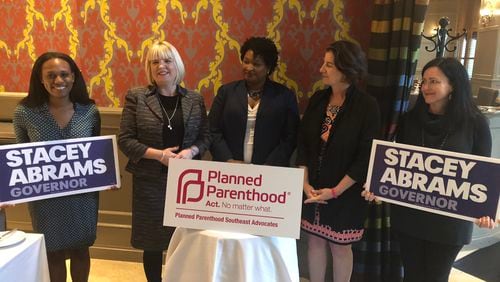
x=430 y=82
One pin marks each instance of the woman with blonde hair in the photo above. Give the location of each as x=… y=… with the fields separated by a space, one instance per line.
x=159 y=122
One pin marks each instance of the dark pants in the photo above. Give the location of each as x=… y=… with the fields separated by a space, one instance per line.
x=152 y=263
x=426 y=261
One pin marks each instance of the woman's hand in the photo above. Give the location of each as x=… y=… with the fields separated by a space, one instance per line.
x=3 y=206
x=308 y=190
x=486 y=222
x=187 y=154
x=320 y=196
x=235 y=161
x=113 y=188
x=369 y=196
x=168 y=153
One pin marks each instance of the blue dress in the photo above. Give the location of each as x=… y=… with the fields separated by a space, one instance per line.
x=67 y=222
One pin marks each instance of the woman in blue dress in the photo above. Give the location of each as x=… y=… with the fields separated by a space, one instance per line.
x=58 y=107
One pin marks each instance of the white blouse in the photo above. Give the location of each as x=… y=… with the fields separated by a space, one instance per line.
x=249 y=133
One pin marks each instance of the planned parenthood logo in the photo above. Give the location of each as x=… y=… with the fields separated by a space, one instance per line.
x=193 y=187
x=186 y=183
x=254 y=199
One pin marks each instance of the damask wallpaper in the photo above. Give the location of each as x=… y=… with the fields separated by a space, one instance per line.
x=109 y=38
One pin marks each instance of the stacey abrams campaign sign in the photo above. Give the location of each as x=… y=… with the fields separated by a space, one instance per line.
x=40 y=170
x=447 y=183
x=254 y=199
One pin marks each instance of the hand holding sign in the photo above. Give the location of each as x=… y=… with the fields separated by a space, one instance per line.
x=369 y=196
x=486 y=222
x=3 y=206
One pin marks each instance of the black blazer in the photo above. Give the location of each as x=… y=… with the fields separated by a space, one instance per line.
x=347 y=152
x=349 y=143
x=275 y=125
x=142 y=123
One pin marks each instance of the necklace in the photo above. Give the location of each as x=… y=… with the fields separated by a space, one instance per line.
x=254 y=94
x=169 y=118
x=333 y=109
x=440 y=145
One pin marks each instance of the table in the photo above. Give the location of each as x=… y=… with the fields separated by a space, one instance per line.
x=26 y=261
x=208 y=255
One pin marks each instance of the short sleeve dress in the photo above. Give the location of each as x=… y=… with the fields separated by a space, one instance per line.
x=67 y=222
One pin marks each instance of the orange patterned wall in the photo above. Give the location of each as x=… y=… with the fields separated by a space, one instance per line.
x=108 y=39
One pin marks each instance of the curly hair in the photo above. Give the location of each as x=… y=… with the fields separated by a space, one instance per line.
x=264 y=48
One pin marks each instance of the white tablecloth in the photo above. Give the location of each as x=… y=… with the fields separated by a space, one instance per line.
x=26 y=261
x=208 y=255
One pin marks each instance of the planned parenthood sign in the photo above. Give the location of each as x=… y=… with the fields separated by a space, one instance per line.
x=41 y=170
x=254 y=199
x=447 y=183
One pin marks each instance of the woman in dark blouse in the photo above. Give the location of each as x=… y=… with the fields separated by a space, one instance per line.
x=445 y=118
x=335 y=138
x=254 y=120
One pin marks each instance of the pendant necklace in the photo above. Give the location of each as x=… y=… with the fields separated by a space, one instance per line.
x=333 y=109
x=440 y=145
x=169 y=118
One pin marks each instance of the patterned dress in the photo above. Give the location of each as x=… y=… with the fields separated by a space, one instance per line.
x=334 y=142
x=67 y=222
x=333 y=232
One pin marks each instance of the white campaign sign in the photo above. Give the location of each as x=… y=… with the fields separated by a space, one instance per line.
x=254 y=199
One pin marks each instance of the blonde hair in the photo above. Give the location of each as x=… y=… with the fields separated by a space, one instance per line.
x=164 y=50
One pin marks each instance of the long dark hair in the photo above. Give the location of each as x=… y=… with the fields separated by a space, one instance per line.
x=38 y=95
x=461 y=106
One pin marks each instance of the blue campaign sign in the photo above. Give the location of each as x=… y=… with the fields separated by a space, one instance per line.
x=447 y=183
x=41 y=170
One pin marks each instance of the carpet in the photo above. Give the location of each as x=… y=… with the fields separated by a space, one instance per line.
x=483 y=263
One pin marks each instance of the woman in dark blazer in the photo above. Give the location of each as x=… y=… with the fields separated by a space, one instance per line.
x=254 y=120
x=159 y=122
